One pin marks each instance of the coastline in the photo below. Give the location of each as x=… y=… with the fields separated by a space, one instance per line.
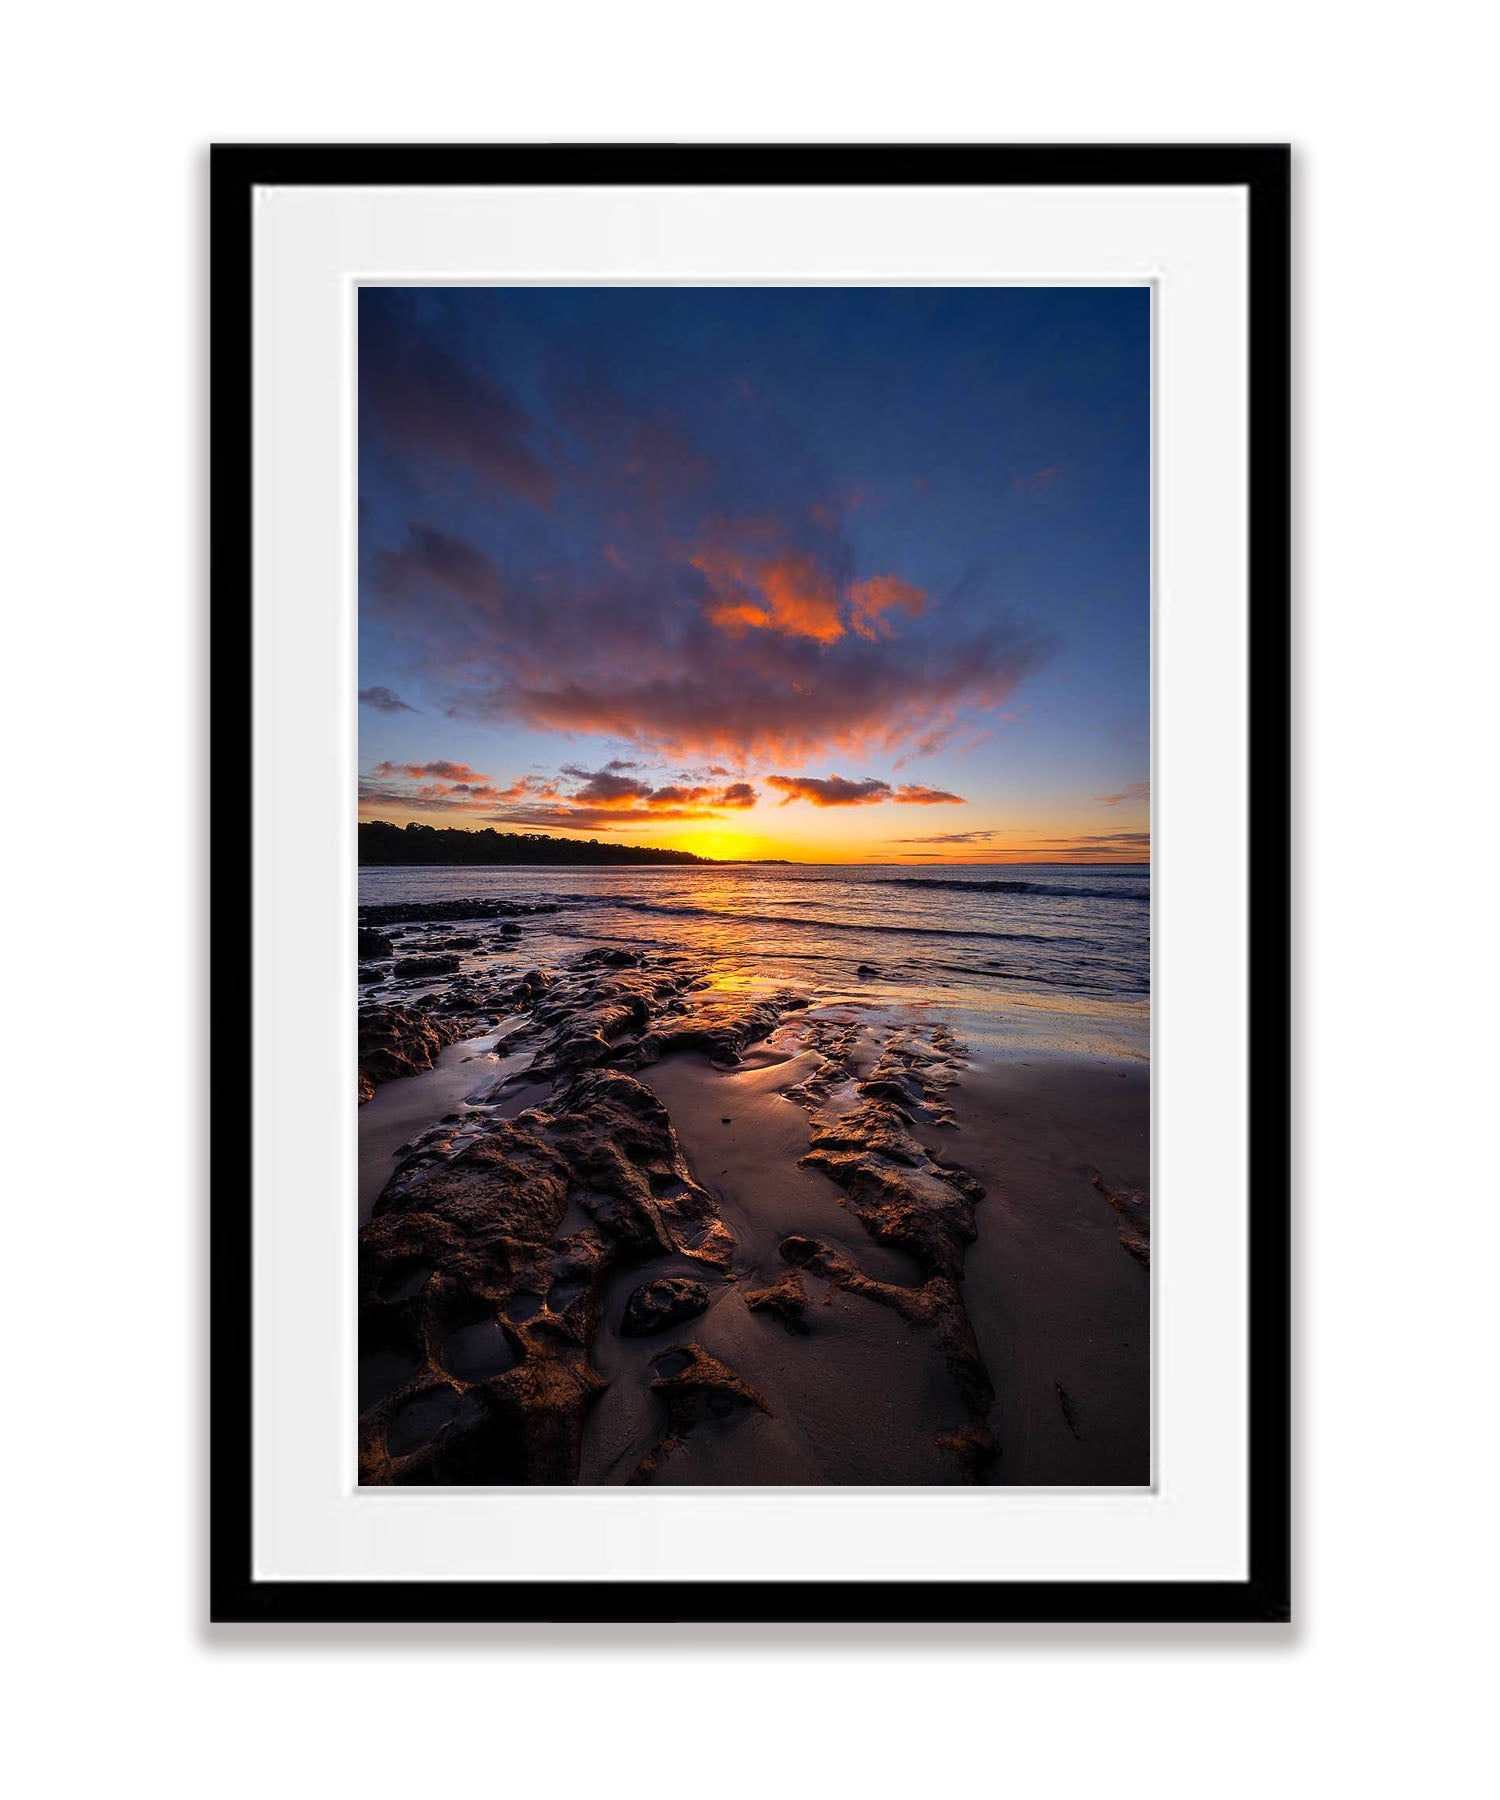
x=881 y=1248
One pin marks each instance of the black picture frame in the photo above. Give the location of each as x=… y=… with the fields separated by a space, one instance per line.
x=1263 y=172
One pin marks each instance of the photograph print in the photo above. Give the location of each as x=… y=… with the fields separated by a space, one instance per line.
x=754 y=955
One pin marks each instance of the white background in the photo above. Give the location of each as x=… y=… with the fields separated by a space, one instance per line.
x=1382 y=1684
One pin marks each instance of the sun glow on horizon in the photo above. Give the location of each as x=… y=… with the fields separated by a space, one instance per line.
x=840 y=841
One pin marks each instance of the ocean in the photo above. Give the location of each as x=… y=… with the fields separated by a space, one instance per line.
x=1022 y=956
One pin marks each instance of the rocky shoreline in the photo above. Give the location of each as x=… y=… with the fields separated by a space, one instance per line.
x=484 y=1268
x=797 y=1313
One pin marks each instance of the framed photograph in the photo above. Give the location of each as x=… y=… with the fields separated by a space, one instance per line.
x=750 y=848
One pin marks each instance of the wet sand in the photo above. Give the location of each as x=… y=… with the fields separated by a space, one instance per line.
x=1061 y=1310
x=853 y=1248
x=839 y=1413
x=398 y=1111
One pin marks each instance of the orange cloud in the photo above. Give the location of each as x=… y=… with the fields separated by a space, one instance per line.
x=760 y=583
x=781 y=591
x=738 y=794
x=912 y=794
x=529 y=784
x=457 y=789
x=871 y=600
x=446 y=771
x=431 y=796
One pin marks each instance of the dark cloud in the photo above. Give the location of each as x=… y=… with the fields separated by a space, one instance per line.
x=1115 y=842
x=1114 y=846
x=689 y=585
x=432 y=566
x=595 y=818
x=623 y=452
x=601 y=787
x=950 y=837
x=1117 y=846
x=428 y=406
x=641 y=658
x=829 y=790
x=584 y=798
x=835 y=790
x=383 y=700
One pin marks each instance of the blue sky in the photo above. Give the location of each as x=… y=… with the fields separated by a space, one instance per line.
x=839 y=572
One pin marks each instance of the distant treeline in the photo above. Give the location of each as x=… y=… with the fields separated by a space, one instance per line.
x=383 y=843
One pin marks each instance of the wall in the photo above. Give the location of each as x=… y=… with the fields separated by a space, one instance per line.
x=1377 y=1686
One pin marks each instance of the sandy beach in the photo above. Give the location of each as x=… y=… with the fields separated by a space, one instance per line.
x=1060 y=1310
x=633 y=1213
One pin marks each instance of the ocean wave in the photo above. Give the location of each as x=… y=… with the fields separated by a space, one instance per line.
x=836 y=921
x=1029 y=975
x=857 y=926
x=1012 y=887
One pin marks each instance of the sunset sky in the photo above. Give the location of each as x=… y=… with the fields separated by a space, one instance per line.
x=834 y=574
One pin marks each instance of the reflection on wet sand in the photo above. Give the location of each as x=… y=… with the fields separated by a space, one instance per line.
x=900 y=1270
